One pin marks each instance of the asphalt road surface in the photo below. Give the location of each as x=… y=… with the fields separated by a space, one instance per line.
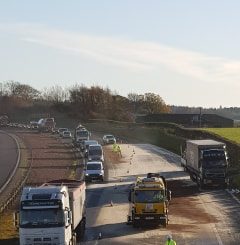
x=210 y=217
x=8 y=157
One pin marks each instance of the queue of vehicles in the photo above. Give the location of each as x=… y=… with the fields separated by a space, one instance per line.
x=54 y=213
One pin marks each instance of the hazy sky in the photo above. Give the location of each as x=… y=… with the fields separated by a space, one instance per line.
x=188 y=52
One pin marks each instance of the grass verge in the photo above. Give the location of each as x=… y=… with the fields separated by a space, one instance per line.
x=232 y=134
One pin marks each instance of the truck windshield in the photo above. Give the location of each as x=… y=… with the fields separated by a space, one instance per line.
x=93 y=166
x=95 y=152
x=149 y=196
x=214 y=158
x=82 y=133
x=36 y=218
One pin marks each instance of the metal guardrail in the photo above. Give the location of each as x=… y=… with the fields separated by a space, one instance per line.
x=13 y=195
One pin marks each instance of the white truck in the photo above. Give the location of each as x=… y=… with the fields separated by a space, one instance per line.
x=53 y=213
x=206 y=161
x=80 y=135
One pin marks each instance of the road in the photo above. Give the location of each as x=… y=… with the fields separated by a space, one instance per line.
x=207 y=218
x=8 y=157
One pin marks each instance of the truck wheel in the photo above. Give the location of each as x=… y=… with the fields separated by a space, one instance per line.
x=164 y=223
x=135 y=224
x=81 y=229
x=200 y=184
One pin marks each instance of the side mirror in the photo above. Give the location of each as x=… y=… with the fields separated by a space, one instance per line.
x=16 y=219
x=169 y=195
x=130 y=196
x=68 y=218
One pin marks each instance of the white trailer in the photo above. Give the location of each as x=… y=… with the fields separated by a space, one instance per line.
x=53 y=213
x=206 y=161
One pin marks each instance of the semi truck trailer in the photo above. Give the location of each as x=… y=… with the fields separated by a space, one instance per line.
x=53 y=213
x=206 y=161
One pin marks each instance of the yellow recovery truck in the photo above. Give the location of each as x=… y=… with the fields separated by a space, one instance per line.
x=149 y=199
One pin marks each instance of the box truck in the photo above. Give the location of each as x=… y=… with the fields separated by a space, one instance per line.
x=206 y=161
x=53 y=213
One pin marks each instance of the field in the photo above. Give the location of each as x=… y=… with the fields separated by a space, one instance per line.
x=232 y=134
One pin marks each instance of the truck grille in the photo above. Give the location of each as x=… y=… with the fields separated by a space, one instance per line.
x=149 y=211
x=215 y=175
x=94 y=175
x=42 y=241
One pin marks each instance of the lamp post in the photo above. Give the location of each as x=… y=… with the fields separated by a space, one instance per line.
x=200 y=117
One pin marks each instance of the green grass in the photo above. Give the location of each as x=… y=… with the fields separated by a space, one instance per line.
x=232 y=134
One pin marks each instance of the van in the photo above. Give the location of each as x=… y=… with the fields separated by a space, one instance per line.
x=94 y=171
x=95 y=153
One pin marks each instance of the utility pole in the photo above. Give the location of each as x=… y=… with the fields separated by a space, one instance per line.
x=200 y=117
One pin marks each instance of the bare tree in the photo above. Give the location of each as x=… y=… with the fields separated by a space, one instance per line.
x=55 y=94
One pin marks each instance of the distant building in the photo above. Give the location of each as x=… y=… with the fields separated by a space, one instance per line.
x=189 y=120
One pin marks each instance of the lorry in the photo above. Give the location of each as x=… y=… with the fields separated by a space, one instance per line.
x=46 y=125
x=149 y=201
x=80 y=135
x=206 y=161
x=53 y=213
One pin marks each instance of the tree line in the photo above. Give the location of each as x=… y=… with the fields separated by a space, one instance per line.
x=78 y=101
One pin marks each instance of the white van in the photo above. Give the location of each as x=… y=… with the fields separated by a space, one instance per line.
x=95 y=153
x=94 y=171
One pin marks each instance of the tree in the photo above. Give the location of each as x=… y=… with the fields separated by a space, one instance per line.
x=55 y=94
x=153 y=103
x=136 y=100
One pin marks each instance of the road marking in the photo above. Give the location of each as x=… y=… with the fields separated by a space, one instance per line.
x=235 y=198
x=18 y=160
x=212 y=225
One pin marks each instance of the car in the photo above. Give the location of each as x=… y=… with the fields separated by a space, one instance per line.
x=94 y=171
x=95 y=153
x=109 y=139
x=66 y=134
x=61 y=130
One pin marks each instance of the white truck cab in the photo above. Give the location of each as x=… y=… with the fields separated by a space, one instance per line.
x=48 y=214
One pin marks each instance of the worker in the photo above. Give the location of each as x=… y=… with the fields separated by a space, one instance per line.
x=170 y=241
x=119 y=150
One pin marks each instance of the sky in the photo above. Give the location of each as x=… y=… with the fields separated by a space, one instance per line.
x=186 y=51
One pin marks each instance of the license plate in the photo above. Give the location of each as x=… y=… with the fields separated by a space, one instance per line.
x=149 y=218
